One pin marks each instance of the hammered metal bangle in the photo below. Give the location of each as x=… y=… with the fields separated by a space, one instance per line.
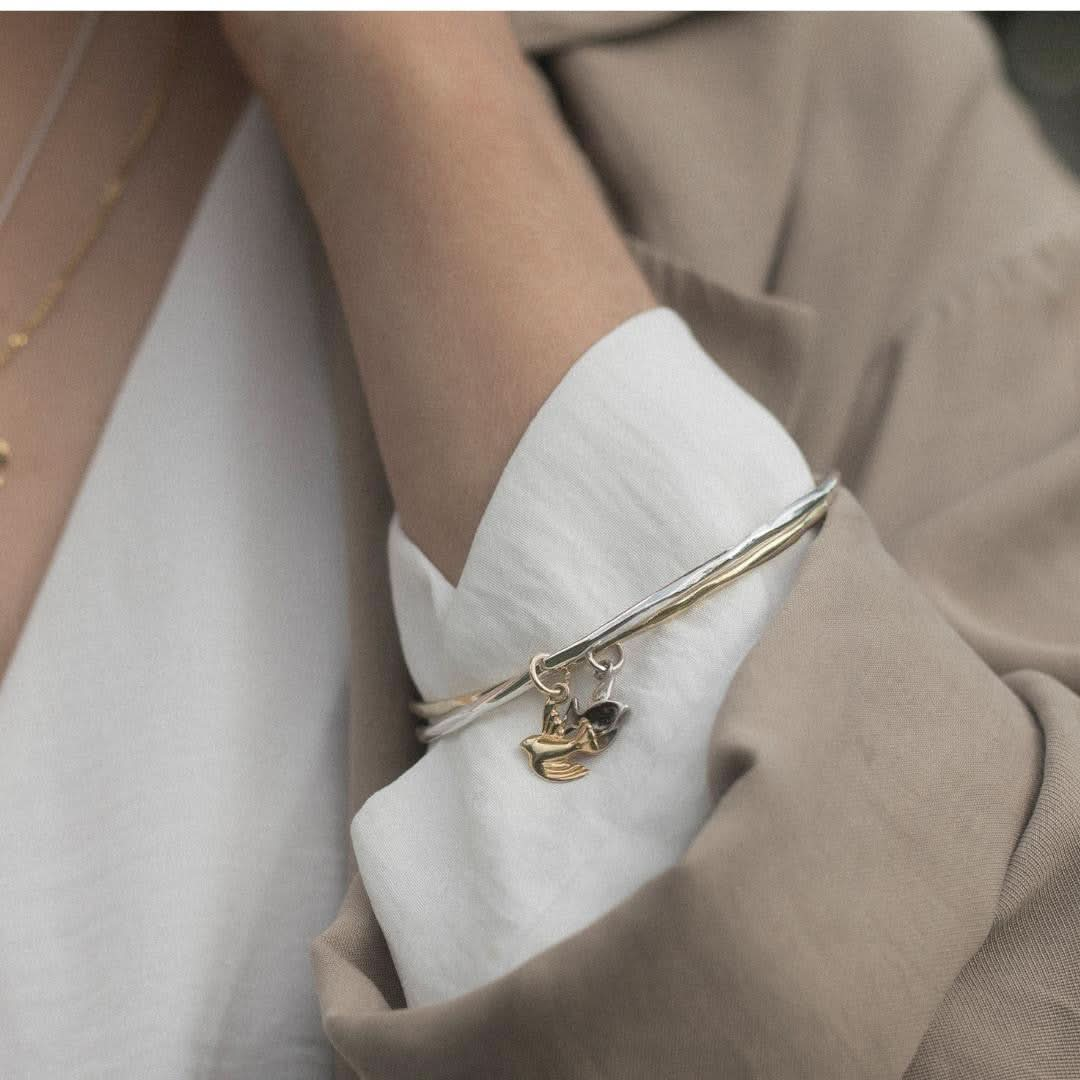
x=573 y=731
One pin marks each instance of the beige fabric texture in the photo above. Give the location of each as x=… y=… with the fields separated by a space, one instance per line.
x=865 y=229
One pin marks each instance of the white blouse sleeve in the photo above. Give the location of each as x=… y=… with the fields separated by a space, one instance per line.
x=645 y=461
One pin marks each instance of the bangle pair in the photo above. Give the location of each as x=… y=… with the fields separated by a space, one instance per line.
x=569 y=731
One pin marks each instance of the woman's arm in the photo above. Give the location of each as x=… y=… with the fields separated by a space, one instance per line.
x=888 y=866
x=444 y=184
x=644 y=460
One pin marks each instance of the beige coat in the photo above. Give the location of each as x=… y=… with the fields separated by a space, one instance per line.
x=864 y=229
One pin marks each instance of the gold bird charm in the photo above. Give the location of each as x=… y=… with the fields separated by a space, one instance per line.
x=551 y=752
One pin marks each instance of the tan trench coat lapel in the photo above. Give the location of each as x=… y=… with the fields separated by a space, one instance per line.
x=849 y=877
x=887 y=884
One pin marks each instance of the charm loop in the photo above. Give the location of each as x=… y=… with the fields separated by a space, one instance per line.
x=606 y=667
x=558 y=693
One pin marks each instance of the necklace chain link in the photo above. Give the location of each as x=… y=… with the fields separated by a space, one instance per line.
x=112 y=192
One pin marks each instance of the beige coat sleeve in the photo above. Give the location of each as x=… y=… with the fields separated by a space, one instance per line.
x=862 y=227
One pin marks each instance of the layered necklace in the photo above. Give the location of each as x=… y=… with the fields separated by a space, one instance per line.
x=17 y=339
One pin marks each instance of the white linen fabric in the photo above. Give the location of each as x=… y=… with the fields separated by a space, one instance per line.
x=173 y=721
x=645 y=461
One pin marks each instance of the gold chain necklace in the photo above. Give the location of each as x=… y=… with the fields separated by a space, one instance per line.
x=18 y=339
x=69 y=72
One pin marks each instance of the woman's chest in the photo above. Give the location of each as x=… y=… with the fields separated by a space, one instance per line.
x=81 y=273
x=172 y=722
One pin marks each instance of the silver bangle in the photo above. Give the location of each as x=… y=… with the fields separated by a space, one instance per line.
x=575 y=731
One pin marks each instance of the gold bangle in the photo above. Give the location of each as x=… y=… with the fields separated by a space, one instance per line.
x=575 y=731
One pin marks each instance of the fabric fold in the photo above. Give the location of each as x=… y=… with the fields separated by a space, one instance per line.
x=885 y=880
x=869 y=803
x=574 y=533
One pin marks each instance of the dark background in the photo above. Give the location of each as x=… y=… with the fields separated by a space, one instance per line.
x=1042 y=53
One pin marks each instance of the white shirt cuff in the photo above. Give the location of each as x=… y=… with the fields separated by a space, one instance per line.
x=646 y=460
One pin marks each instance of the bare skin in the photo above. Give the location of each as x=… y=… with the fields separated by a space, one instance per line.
x=472 y=249
x=56 y=395
x=473 y=252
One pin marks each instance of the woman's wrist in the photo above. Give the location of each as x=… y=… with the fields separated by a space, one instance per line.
x=361 y=97
x=474 y=255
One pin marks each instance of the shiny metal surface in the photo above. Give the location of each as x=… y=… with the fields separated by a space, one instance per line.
x=448 y=715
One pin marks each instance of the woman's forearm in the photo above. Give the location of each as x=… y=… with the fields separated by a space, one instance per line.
x=473 y=252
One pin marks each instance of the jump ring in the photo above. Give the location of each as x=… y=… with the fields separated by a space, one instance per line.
x=606 y=667
x=559 y=692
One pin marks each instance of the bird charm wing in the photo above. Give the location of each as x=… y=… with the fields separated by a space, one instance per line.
x=561 y=769
x=551 y=752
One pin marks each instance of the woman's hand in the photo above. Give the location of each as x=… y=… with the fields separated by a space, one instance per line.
x=474 y=254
